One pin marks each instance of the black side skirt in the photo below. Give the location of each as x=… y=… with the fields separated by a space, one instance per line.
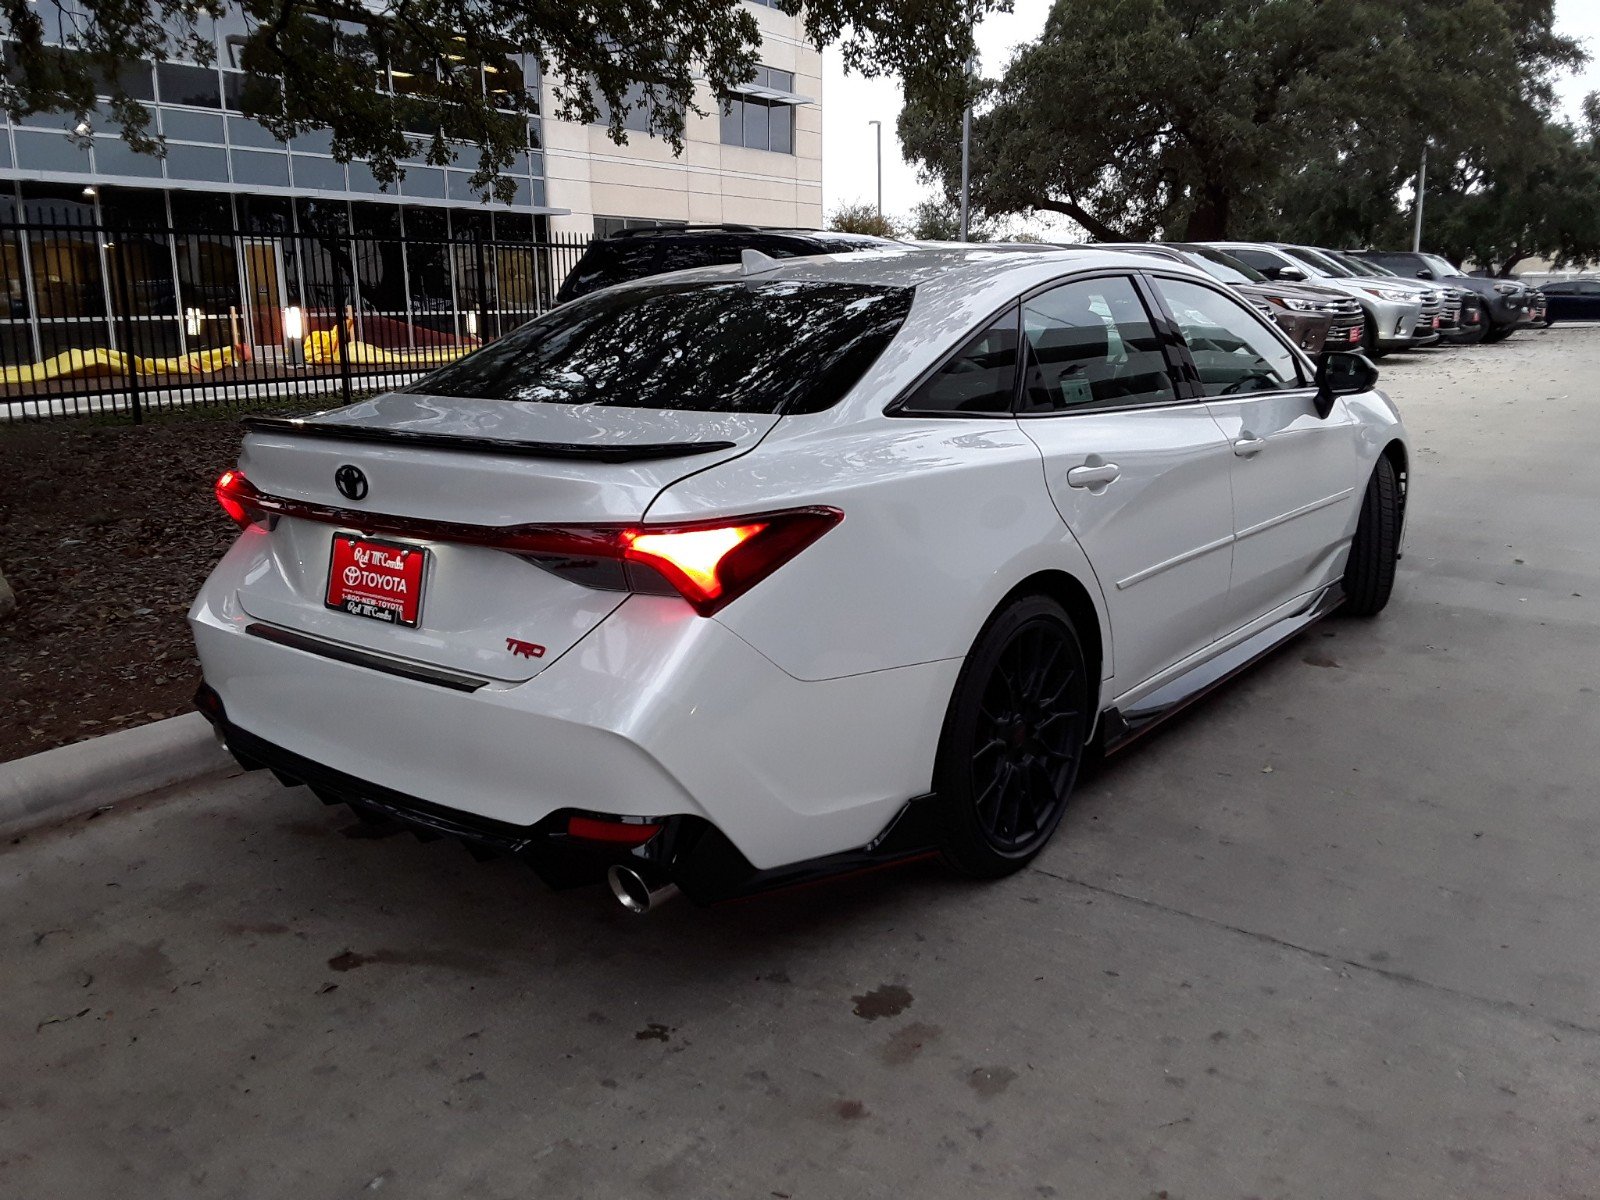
x=1122 y=727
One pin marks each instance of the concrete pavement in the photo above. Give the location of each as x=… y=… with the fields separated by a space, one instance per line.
x=1332 y=934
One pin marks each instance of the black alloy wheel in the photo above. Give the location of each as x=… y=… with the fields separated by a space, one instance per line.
x=1013 y=739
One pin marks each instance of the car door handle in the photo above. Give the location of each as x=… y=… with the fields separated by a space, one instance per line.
x=1248 y=445
x=1095 y=474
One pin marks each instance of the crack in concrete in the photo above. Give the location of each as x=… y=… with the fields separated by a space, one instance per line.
x=1400 y=977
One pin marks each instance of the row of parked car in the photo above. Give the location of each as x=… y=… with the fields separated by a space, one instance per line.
x=1377 y=301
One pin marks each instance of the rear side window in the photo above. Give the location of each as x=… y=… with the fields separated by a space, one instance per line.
x=622 y=260
x=778 y=346
x=1232 y=350
x=1091 y=343
x=980 y=378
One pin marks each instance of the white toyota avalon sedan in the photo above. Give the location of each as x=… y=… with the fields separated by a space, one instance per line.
x=727 y=579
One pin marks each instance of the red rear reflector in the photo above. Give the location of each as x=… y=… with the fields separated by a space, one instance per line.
x=615 y=833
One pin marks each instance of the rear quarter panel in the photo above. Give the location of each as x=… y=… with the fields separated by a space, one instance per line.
x=943 y=517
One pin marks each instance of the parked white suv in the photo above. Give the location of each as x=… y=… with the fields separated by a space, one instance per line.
x=726 y=578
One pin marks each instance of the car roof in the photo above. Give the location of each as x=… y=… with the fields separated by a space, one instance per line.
x=692 y=232
x=972 y=267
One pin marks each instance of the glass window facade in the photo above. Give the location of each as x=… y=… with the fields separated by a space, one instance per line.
x=181 y=271
x=206 y=245
x=759 y=123
x=196 y=109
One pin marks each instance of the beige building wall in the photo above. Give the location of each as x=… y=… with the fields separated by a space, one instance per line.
x=709 y=183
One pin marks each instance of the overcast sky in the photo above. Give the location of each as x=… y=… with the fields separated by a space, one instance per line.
x=849 y=102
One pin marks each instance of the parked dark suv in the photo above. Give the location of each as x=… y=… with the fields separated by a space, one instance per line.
x=1506 y=303
x=637 y=253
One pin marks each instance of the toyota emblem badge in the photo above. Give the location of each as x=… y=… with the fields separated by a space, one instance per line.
x=351 y=482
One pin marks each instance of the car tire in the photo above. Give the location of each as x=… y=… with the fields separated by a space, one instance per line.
x=1369 y=338
x=1473 y=335
x=1497 y=333
x=1013 y=739
x=1369 y=573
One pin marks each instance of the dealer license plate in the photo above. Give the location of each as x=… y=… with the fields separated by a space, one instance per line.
x=378 y=580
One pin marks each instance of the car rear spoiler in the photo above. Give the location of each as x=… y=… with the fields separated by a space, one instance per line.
x=585 y=451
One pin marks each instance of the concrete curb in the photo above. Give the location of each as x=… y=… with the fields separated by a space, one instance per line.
x=72 y=780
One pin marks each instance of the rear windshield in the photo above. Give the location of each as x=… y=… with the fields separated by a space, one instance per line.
x=1321 y=262
x=780 y=347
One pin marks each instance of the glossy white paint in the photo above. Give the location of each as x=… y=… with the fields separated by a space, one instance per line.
x=803 y=715
x=1159 y=535
x=1293 y=499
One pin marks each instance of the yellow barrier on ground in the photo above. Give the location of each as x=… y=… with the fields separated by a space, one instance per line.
x=323 y=346
x=72 y=364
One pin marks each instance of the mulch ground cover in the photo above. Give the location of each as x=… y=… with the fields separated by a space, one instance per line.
x=106 y=533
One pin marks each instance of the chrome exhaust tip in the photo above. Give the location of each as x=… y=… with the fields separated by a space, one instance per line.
x=634 y=892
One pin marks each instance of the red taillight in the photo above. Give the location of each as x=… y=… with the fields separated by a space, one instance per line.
x=234 y=493
x=708 y=563
x=613 y=833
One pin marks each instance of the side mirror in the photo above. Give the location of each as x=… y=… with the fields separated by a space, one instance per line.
x=1343 y=373
x=1424 y=274
x=1285 y=274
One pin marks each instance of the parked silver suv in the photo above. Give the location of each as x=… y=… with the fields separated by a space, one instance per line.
x=1394 y=315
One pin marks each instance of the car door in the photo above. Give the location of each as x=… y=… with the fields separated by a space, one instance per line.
x=1139 y=473
x=1584 y=301
x=1295 y=482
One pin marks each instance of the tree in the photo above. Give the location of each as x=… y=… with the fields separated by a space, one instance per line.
x=1182 y=117
x=325 y=64
x=937 y=220
x=1543 y=200
x=862 y=218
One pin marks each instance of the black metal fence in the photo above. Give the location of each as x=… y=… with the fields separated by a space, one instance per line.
x=111 y=319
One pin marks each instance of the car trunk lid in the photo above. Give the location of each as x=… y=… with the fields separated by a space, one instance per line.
x=424 y=464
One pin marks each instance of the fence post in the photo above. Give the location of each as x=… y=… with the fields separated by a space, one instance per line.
x=134 y=402
x=483 y=288
x=345 y=334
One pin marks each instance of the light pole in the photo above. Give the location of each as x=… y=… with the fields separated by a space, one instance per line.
x=966 y=167
x=1422 y=191
x=877 y=129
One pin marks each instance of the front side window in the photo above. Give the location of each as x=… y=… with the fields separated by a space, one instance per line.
x=781 y=347
x=1092 y=343
x=980 y=379
x=1233 y=351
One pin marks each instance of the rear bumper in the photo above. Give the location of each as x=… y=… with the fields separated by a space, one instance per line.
x=656 y=713
x=685 y=851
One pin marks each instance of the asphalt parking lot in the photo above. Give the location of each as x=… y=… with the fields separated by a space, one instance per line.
x=1331 y=934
